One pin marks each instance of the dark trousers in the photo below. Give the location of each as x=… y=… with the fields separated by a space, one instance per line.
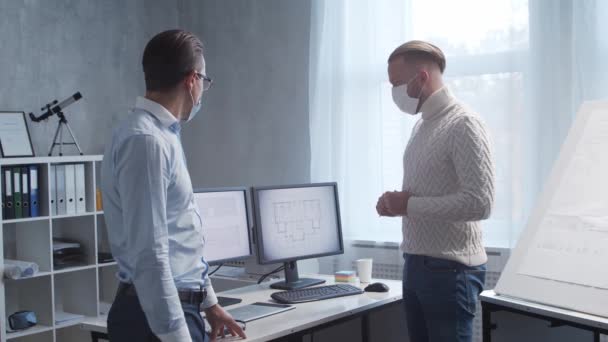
x=440 y=298
x=127 y=321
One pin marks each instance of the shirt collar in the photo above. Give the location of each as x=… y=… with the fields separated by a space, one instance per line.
x=434 y=106
x=157 y=110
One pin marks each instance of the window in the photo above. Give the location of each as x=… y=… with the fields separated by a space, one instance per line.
x=506 y=59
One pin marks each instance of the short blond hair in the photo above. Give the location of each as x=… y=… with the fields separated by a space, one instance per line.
x=418 y=49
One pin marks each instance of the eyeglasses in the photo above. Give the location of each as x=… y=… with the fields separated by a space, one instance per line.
x=207 y=82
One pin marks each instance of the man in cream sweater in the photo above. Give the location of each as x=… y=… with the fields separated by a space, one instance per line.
x=448 y=187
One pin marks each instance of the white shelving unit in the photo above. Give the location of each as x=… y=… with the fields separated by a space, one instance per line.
x=84 y=290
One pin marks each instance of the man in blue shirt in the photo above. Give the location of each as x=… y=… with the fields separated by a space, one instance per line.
x=154 y=227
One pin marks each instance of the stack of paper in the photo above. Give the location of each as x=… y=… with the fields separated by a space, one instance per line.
x=59 y=245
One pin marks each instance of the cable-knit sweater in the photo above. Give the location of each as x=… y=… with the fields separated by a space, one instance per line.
x=449 y=171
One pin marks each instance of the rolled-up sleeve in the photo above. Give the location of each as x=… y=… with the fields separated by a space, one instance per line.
x=211 y=299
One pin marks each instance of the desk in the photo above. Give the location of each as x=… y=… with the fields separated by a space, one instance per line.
x=304 y=319
x=492 y=302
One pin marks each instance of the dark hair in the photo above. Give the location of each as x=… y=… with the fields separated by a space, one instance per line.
x=168 y=57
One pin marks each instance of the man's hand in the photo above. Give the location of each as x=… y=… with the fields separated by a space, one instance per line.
x=393 y=203
x=381 y=208
x=219 y=319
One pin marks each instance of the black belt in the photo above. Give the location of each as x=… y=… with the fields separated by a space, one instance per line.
x=194 y=296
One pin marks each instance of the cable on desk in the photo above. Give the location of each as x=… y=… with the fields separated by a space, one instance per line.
x=216 y=269
x=271 y=273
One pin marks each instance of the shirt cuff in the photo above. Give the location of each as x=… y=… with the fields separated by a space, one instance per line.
x=211 y=298
x=180 y=335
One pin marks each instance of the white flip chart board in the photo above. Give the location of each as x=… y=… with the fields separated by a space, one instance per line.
x=561 y=258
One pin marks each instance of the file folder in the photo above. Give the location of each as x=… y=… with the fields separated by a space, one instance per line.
x=25 y=192
x=3 y=197
x=17 y=191
x=34 y=199
x=70 y=189
x=60 y=183
x=7 y=193
x=53 y=190
x=81 y=196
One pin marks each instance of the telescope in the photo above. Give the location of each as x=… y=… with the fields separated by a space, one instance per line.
x=53 y=108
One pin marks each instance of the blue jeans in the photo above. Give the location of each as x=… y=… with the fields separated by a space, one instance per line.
x=127 y=321
x=440 y=298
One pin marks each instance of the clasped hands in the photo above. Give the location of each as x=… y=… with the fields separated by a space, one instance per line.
x=393 y=203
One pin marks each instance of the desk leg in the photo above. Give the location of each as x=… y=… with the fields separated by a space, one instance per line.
x=486 y=319
x=365 y=328
x=596 y=336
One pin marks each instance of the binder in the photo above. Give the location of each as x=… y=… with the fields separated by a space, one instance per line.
x=70 y=189
x=7 y=193
x=25 y=192
x=60 y=183
x=34 y=201
x=98 y=200
x=53 y=190
x=17 y=191
x=3 y=198
x=81 y=196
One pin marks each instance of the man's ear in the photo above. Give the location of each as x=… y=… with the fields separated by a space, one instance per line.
x=424 y=76
x=190 y=79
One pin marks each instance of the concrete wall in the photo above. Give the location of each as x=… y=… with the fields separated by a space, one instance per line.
x=254 y=125
x=253 y=128
x=51 y=49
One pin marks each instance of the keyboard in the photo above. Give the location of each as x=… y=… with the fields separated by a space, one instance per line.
x=312 y=294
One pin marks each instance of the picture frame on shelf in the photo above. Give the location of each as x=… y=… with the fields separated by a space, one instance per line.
x=15 y=139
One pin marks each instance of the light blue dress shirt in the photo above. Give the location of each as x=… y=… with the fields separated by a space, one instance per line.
x=154 y=227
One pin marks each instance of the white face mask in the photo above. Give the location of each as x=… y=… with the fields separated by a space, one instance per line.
x=196 y=107
x=406 y=103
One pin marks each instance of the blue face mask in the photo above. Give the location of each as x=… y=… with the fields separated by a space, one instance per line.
x=196 y=107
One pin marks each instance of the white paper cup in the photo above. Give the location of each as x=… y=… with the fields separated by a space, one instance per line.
x=364 y=269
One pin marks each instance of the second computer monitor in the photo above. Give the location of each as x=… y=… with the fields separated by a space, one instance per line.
x=225 y=223
x=297 y=222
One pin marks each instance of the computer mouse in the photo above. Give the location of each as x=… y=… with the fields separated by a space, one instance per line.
x=376 y=287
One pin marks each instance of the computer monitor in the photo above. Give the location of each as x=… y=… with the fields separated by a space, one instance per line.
x=225 y=224
x=297 y=222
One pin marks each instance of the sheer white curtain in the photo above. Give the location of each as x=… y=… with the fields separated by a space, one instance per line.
x=524 y=66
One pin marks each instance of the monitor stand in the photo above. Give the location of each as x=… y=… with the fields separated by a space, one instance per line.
x=293 y=280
